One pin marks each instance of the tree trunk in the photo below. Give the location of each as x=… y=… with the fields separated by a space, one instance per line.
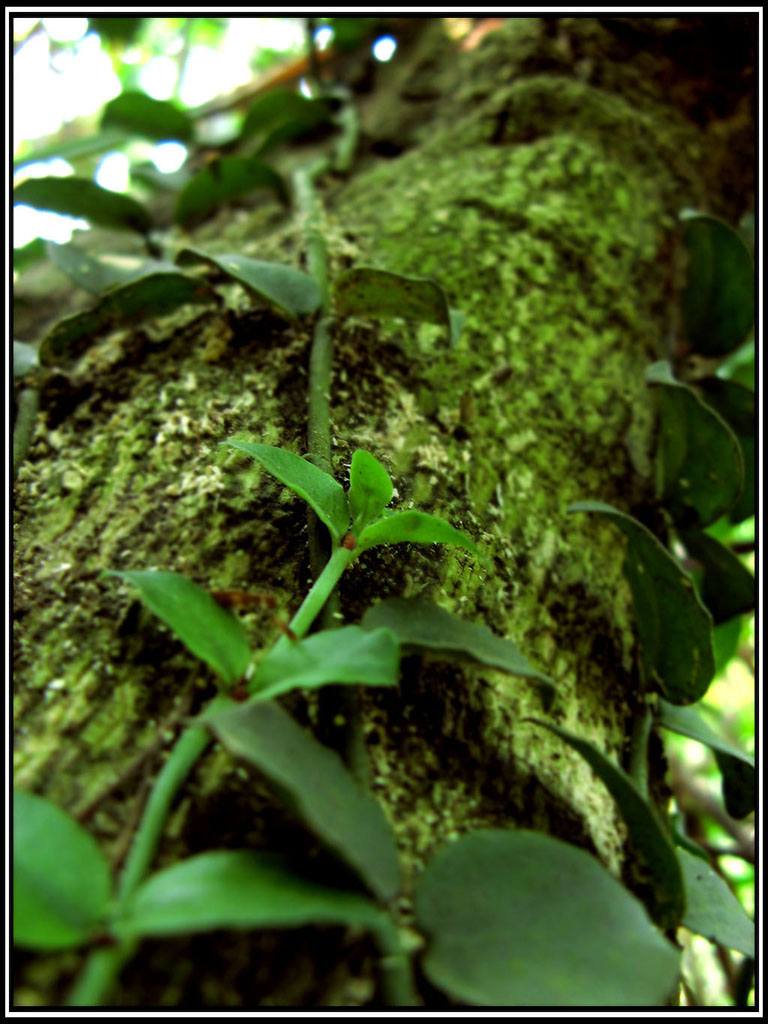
x=538 y=179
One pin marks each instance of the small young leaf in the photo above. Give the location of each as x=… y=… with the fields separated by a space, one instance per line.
x=151 y=295
x=289 y=290
x=522 y=919
x=718 y=302
x=236 y=889
x=650 y=841
x=320 y=491
x=208 y=630
x=701 y=466
x=728 y=588
x=674 y=626
x=227 y=178
x=417 y=528
x=61 y=879
x=139 y=114
x=712 y=910
x=370 y=489
x=325 y=795
x=347 y=655
x=79 y=197
x=424 y=627
x=367 y=291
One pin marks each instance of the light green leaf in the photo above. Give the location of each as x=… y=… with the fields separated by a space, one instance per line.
x=347 y=655
x=289 y=290
x=368 y=291
x=370 y=489
x=417 y=528
x=321 y=492
x=523 y=919
x=687 y=722
x=236 y=889
x=322 y=791
x=208 y=630
x=649 y=839
x=97 y=273
x=24 y=358
x=80 y=197
x=61 y=879
x=424 y=627
x=674 y=626
x=712 y=909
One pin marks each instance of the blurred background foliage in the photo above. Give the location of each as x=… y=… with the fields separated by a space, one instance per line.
x=213 y=68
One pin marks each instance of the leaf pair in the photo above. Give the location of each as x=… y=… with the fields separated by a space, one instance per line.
x=363 y=508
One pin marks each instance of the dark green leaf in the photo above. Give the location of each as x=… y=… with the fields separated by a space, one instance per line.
x=229 y=177
x=24 y=358
x=701 y=466
x=366 y=291
x=320 y=491
x=417 y=528
x=370 y=489
x=97 y=273
x=236 y=889
x=79 y=197
x=675 y=628
x=119 y=30
x=523 y=919
x=139 y=114
x=208 y=630
x=712 y=909
x=735 y=402
x=725 y=642
x=61 y=879
x=279 y=106
x=651 y=842
x=156 y=293
x=290 y=290
x=325 y=795
x=347 y=655
x=739 y=785
x=718 y=302
x=422 y=626
x=25 y=255
x=728 y=588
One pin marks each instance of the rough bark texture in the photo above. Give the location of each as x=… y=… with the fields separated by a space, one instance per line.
x=538 y=179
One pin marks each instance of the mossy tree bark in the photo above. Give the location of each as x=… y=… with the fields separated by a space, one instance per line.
x=538 y=180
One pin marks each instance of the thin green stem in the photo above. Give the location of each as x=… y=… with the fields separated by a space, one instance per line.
x=313 y=603
x=395 y=968
x=26 y=418
x=638 y=754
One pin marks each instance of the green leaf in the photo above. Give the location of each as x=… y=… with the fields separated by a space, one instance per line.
x=523 y=919
x=347 y=655
x=701 y=466
x=324 y=794
x=718 y=302
x=25 y=256
x=738 y=785
x=712 y=909
x=728 y=588
x=208 y=630
x=367 y=291
x=735 y=403
x=61 y=879
x=370 y=490
x=229 y=177
x=156 y=293
x=652 y=844
x=688 y=722
x=291 y=291
x=139 y=114
x=79 y=197
x=417 y=528
x=236 y=889
x=280 y=106
x=320 y=491
x=98 y=273
x=24 y=358
x=422 y=626
x=71 y=149
x=674 y=627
